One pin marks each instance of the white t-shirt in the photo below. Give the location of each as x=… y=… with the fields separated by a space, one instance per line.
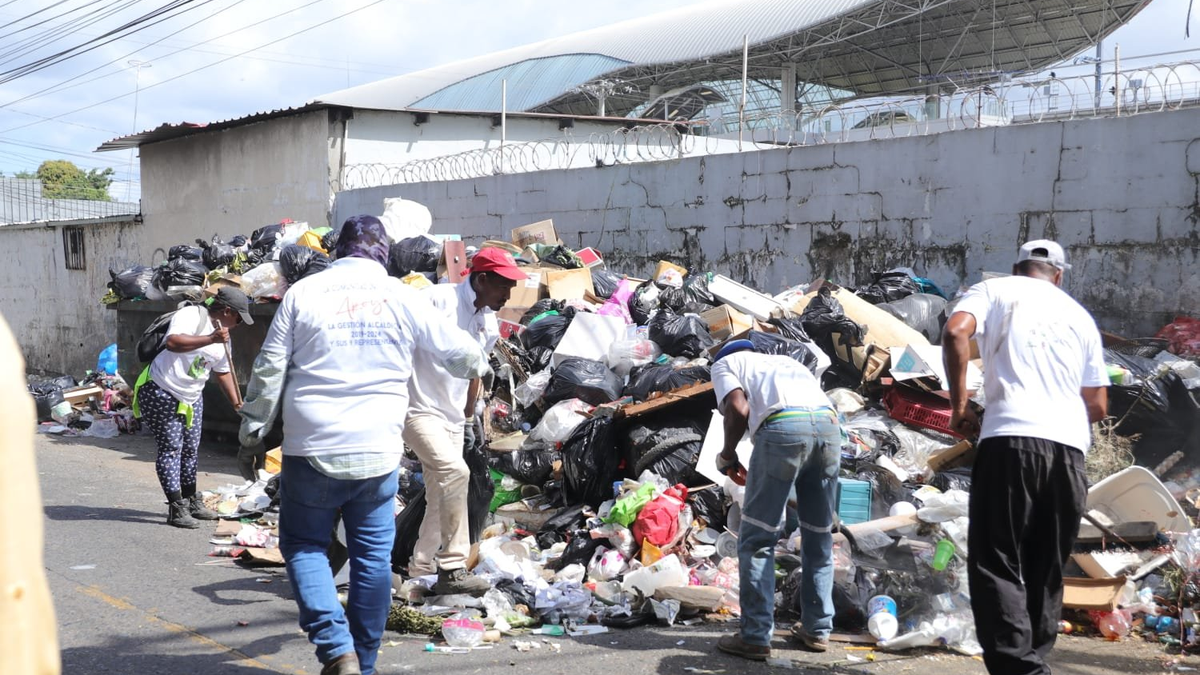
x=183 y=374
x=771 y=382
x=1039 y=348
x=432 y=390
x=350 y=335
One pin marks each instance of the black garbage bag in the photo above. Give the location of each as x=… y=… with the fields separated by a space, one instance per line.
x=408 y=523
x=790 y=326
x=590 y=462
x=923 y=312
x=769 y=343
x=266 y=238
x=693 y=296
x=180 y=272
x=415 y=254
x=849 y=602
x=560 y=525
x=546 y=305
x=644 y=302
x=537 y=359
x=480 y=490
x=562 y=256
x=677 y=335
x=216 y=254
x=237 y=240
x=708 y=506
x=605 y=283
x=46 y=395
x=888 y=287
x=186 y=252
x=1159 y=408
x=298 y=262
x=667 y=446
x=650 y=378
x=531 y=467
x=580 y=549
x=546 y=332
x=886 y=489
x=952 y=479
x=824 y=316
x=678 y=465
x=132 y=282
x=329 y=241
x=584 y=379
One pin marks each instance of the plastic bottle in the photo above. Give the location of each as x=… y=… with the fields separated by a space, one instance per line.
x=437 y=649
x=462 y=631
x=1114 y=625
x=1162 y=624
x=942 y=554
x=881 y=617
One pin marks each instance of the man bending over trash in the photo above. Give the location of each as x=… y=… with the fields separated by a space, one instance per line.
x=339 y=355
x=797 y=443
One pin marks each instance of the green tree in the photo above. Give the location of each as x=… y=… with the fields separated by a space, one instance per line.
x=61 y=179
x=25 y=175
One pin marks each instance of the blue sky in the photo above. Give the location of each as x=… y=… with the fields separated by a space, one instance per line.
x=378 y=38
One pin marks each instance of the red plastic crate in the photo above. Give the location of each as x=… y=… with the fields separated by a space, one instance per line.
x=919 y=409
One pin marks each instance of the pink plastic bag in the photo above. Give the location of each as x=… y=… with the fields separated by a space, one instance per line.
x=618 y=304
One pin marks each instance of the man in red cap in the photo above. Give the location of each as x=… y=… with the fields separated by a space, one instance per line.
x=441 y=420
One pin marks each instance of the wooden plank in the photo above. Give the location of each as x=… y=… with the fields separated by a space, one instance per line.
x=691 y=391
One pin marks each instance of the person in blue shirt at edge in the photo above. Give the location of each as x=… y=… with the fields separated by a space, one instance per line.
x=169 y=395
x=441 y=416
x=797 y=444
x=336 y=362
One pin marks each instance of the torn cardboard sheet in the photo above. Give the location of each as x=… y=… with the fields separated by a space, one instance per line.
x=915 y=361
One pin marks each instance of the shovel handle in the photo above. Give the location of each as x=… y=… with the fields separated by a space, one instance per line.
x=232 y=371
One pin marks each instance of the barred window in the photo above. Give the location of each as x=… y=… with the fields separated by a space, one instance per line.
x=73 y=251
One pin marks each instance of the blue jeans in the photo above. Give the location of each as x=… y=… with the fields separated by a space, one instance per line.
x=802 y=452
x=309 y=505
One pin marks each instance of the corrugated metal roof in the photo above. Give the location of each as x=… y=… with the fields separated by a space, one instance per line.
x=168 y=131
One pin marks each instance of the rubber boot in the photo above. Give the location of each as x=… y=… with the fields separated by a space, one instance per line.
x=453 y=582
x=199 y=511
x=179 y=514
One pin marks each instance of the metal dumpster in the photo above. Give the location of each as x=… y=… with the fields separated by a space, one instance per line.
x=134 y=316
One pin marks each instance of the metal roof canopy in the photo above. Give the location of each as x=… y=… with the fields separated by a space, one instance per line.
x=895 y=46
x=864 y=47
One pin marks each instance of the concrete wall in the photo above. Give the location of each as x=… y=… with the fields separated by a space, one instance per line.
x=55 y=313
x=235 y=181
x=1122 y=194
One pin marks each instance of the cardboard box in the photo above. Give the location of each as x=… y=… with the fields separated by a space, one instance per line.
x=1097 y=594
x=666 y=270
x=569 y=284
x=524 y=295
x=590 y=257
x=541 y=232
x=453 y=265
x=725 y=321
x=588 y=337
x=952 y=457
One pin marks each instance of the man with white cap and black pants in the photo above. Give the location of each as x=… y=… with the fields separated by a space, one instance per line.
x=1044 y=385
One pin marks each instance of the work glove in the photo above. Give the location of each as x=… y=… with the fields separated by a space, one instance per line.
x=469 y=438
x=250 y=460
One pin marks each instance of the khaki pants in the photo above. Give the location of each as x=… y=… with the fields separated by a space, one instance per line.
x=443 y=537
x=28 y=637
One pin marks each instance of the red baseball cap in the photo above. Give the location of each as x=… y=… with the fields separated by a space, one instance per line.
x=499 y=261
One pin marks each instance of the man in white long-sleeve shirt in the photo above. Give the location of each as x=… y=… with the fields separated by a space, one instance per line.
x=442 y=411
x=339 y=356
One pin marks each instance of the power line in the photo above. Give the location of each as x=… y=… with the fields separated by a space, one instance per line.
x=196 y=70
x=33 y=43
x=33 y=14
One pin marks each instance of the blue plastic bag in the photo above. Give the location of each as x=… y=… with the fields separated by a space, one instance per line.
x=107 y=363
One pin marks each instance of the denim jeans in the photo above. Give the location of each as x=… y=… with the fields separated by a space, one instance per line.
x=801 y=452
x=309 y=505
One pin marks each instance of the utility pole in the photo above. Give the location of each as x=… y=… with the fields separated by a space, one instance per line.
x=137 y=86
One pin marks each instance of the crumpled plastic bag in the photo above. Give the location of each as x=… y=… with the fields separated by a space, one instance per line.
x=590 y=462
x=132 y=282
x=528 y=392
x=179 y=272
x=266 y=239
x=530 y=467
x=643 y=302
x=265 y=281
x=606 y=564
x=547 y=331
x=415 y=254
x=685 y=335
x=647 y=380
x=626 y=510
x=923 y=312
x=888 y=287
x=564 y=600
x=943 y=507
x=626 y=355
x=103 y=428
x=605 y=283
x=824 y=316
x=618 y=302
x=186 y=252
x=216 y=254
x=559 y=421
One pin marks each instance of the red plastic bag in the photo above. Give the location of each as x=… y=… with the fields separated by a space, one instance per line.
x=1183 y=334
x=658 y=521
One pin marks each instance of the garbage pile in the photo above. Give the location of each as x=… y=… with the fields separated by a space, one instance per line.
x=98 y=406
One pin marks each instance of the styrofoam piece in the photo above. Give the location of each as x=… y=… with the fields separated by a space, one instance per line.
x=714 y=441
x=1134 y=495
x=589 y=337
x=743 y=298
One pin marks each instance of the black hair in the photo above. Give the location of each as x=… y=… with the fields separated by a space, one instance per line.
x=1036 y=268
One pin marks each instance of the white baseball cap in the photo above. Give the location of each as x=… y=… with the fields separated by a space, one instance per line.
x=1044 y=250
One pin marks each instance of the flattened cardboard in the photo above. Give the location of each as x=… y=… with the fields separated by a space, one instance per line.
x=1097 y=594
x=541 y=232
x=454 y=261
x=957 y=455
x=569 y=284
x=725 y=321
x=524 y=295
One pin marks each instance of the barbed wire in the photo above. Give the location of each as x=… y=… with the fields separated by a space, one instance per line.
x=1146 y=89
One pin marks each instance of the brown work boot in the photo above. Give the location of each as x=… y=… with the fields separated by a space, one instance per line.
x=199 y=511
x=453 y=582
x=179 y=514
x=346 y=664
x=811 y=642
x=733 y=644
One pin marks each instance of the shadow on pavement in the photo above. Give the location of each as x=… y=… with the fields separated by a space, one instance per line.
x=232 y=592
x=71 y=512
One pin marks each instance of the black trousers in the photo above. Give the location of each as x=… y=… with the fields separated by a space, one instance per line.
x=1027 y=495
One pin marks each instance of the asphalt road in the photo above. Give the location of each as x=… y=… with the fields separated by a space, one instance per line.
x=136 y=597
